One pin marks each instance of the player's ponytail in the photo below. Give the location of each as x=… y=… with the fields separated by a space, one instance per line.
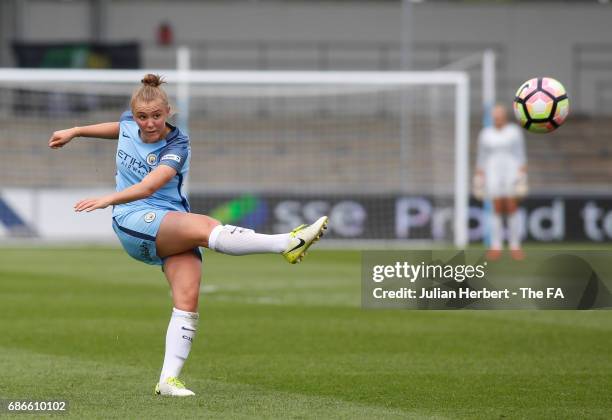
x=150 y=90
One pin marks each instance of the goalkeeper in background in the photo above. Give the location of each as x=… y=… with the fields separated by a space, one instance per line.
x=501 y=176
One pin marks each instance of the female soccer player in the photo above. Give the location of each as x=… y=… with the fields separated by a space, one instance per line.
x=152 y=220
x=501 y=175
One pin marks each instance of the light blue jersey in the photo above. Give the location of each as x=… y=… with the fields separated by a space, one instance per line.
x=135 y=159
x=137 y=223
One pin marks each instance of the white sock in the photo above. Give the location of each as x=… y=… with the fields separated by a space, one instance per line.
x=514 y=227
x=181 y=330
x=497 y=227
x=234 y=240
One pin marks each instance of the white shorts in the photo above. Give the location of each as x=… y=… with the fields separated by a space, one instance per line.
x=501 y=175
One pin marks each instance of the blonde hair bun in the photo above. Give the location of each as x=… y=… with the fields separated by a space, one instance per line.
x=150 y=90
x=153 y=80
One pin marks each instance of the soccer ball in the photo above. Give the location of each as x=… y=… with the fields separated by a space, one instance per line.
x=541 y=104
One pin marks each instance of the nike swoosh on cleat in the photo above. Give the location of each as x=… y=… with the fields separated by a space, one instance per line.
x=302 y=242
x=187 y=329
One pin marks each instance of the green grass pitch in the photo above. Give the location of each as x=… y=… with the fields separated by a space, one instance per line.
x=279 y=341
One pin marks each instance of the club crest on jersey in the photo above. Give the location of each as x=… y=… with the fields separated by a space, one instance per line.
x=149 y=217
x=152 y=159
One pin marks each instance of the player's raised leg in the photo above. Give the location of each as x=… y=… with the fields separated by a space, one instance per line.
x=180 y=232
x=183 y=272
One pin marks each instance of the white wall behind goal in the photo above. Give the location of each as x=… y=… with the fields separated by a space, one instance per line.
x=48 y=214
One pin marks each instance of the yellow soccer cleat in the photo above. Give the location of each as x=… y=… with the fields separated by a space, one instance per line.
x=173 y=387
x=302 y=237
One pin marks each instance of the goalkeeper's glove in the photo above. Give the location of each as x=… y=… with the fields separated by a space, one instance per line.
x=478 y=186
x=520 y=186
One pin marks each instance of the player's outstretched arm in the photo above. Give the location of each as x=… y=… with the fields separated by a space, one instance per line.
x=150 y=183
x=109 y=130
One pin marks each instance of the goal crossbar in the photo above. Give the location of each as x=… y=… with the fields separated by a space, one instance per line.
x=183 y=78
x=238 y=77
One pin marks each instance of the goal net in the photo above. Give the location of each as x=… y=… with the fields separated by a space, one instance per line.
x=385 y=154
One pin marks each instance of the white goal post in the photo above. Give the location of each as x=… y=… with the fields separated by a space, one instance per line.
x=425 y=102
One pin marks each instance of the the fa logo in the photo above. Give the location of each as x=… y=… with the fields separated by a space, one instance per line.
x=149 y=217
x=152 y=159
x=554 y=292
